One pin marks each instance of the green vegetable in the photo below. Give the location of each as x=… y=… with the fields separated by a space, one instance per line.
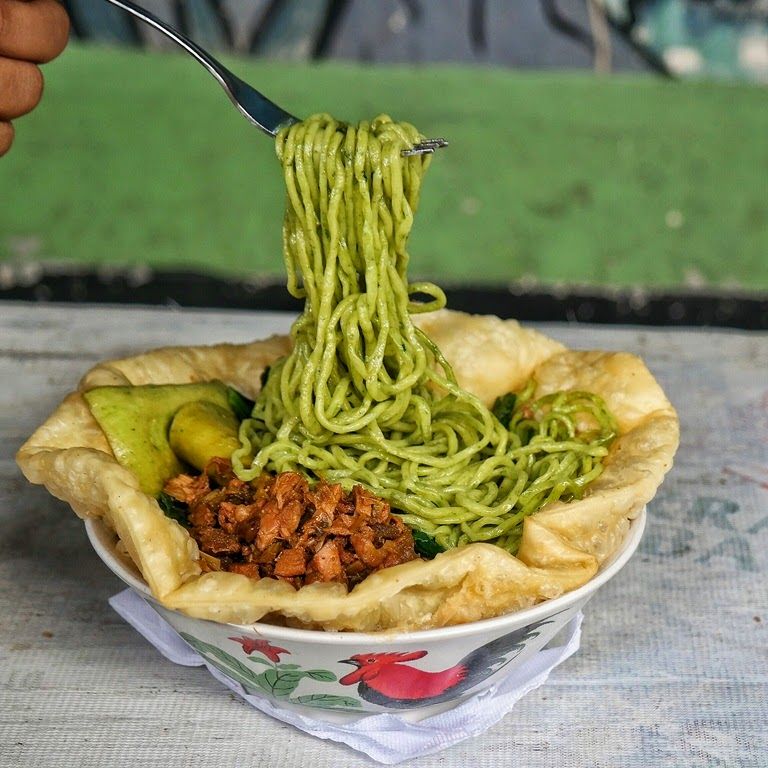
x=201 y=430
x=239 y=404
x=425 y=545
x=136 y=421
x=173 y=508
x=504 y=408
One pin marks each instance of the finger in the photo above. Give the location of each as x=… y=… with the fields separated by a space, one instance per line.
x=6 y=137
x=21 y=86
x=35 y=30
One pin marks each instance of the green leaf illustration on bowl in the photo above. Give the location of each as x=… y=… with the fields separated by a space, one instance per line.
x=280 y=684
x=322 y=675
x=279 y=681
x=327 y=701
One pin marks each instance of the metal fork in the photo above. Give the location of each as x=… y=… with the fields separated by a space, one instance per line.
x=252 y=104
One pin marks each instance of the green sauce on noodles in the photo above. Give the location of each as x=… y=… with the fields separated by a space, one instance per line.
x=365 y=396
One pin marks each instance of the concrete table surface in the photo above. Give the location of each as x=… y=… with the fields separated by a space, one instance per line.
x=673 y=668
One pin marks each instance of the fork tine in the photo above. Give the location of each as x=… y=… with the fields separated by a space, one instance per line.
x=417 y=151
x=437 y=142
x=426 y=147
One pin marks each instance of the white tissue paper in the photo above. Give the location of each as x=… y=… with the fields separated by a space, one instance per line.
x=386 y=738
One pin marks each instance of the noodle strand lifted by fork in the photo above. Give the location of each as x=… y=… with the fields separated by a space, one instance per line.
x=365 y=396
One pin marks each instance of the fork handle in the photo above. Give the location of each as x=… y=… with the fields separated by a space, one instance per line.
x=232 y=84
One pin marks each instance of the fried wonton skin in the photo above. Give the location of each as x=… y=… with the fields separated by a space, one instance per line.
x=562 y=546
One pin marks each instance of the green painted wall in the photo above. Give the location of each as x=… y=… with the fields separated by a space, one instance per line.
x=137 y=159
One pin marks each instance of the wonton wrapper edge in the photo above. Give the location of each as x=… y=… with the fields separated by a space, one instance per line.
x=562 y=546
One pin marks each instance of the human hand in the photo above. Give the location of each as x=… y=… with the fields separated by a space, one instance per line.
x=31 y=33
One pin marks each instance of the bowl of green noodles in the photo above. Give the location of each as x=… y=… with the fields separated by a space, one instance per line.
x=522 y=468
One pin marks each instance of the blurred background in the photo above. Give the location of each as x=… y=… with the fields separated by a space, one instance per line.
x=608 y=158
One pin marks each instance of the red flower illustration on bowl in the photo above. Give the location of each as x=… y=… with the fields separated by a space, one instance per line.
x=256 y=645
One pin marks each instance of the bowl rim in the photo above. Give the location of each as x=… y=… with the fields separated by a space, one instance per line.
x=96 y=531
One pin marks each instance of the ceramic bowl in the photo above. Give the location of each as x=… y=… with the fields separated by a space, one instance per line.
x=369 y=672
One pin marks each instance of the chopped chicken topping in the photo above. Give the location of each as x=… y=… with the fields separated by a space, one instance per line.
x=279 y=527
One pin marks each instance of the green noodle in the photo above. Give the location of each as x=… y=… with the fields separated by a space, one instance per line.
x=365 y=396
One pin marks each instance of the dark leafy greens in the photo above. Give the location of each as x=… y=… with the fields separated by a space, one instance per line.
x=173 y=508
x=241 y=406
x=504 y=408
x=425 y=545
